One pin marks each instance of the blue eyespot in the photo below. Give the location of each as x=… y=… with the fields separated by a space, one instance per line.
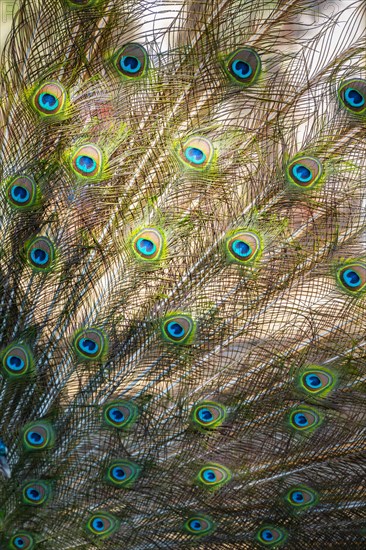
x=300 y=419
x=14 y=363
x=130 y=64
x=118 y=473
x=297 y=496
x=351 y=278
x=39 y=256
x=205 y=415
x=98 y=524
x=19 y=194
x=86 y=164
x=195 y=155
x=175 y=329
x=33 y=494
x=241 y=68
x=267 y=535
x=195 y=524
x=19 y=542
x=354 y=98
x=313 y=381
x=146 y=247
x=35 y=437
x=241 y=248
x=116 y=415
x=48 y=101
x=302 y=173
x=209 y=476
x=88 y=345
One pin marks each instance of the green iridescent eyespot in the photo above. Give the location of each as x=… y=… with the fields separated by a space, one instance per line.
x=351 y=277
x=22 y=193
x=87 y=162
x=178 y=328
x=196 y=152
x=149 y=245
x=208 y=415
x=301 y=497
x=122 y=473
x=199 y=525
x=40 y=254
x=352 y=95
x=120 y=414
x=243 y=66
x=316 y=381
x=132 y=61
x=212 y=476
x=91 y=344
x=304 y=172
x=271 y=535
x=102 y=525
x=38 y=435
x=304 y=419
x=50 y=100
x=17 y=361
x=243 y=247
x=22 y=541
x=36 y=493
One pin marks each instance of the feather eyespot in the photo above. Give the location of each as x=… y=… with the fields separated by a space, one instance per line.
x=301 y=497
x=148 y=245
x=178 y=328
x=352 y=94
x=102 y=525
x=317 y=381
x=199 y=525
x=213 y=476
x=244 y=66
x=132 y=61
x=40 y=254
x=208 y=415
x=50 y=99
x=87 y=161
x=38 y=436
x=122 y=473
x=17 y=361
x=35 y=493
x=352 y=277
x=304 y=419
x=196 y=152
x=243 y=247
x=120 y=414
x=304 y=172
x=270 y=535
x=90 y=344
x=22 y=541
x=21 y=192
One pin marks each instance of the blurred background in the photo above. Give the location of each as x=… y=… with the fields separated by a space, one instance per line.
x=6 y=10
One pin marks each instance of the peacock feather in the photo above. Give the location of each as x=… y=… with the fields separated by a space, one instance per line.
x=183 y=275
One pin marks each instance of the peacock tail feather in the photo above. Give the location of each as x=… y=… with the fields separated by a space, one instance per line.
x=183 y=275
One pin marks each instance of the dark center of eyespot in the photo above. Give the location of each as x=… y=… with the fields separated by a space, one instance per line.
x=209 y=475
x=19 y=542
x=354 y=97
x=351 y=278
x=34 y=494
x=195 y=155
x=302 y=173
x=119 y=473
x=297 y=496
x=88 y=345
x=301 y=419
x=196 y=525
x=116 y=415
x=267 y=535
x=241 y=248
x=205 y=415
x=175 y=329
x=85 y=163
x=313 y=381
x=241 y=68
x=19 y=193
x=130 y=63
x=35 y=437
x=146 y=246
x=15 y=362
x=98 y=524
x=48 y=101
x=39 y=256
